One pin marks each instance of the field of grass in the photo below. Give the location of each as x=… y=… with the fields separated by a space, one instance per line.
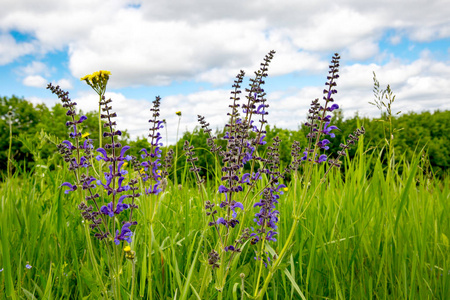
x=371 y=235
x=332 y=228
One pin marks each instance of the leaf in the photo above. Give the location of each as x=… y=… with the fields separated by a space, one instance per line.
x=235 y=287
x=6 y=259
x=405 y=191
x=191 y=269
x=445 y=240
x=294 y=284
x=28 y=294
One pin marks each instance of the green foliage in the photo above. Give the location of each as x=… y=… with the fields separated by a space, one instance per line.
x=24 y=117
x=36 y=130
x=414 y=131
x=361 y=238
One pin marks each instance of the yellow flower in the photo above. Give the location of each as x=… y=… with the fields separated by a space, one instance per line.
x=125 y=164
x=127 y=249
x=142 y=171
x=285 y=189
x=85 y=135
x=103 y=73
x=97 y=81
x=178 y=113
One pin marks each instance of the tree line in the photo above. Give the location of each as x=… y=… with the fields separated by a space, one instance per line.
x=29 y=134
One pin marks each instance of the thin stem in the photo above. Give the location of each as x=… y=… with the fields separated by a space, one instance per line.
x=94 y=261
x=10 y=145
x=133 y=273
x=117 y=270
x=176 y=155
x=260 y=265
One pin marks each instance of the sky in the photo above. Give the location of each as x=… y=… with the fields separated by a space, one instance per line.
x=189 y=52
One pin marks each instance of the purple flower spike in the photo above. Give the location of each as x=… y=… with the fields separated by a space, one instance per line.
x=70 y=186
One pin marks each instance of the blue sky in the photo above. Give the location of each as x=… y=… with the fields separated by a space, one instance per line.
x=188 y=52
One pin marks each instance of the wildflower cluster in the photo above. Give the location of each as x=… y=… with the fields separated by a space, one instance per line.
x=267 y=217
x=242 y=138
x=243 y=169
x=114 y=183
x=248 y=180
x=319 y=120
x=78 y=155
x=97 y=81
x=320 y=130
x=151 y=171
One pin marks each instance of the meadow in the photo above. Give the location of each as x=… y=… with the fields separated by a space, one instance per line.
x=357 y=228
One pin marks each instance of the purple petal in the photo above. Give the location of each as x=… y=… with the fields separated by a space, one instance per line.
x=103 y=152
x=322 y=158
x=124 y=149
x=237 y=205
x=222 y=189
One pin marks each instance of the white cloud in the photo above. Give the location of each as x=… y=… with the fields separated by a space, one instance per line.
x=41 y=82
x=10 y=50
x=157 y=42
x=418 y=86
x=34 y=68
x=64 y=84
x=162 y=42
x=35 y=81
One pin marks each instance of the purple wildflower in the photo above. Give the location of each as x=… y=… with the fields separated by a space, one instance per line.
x=333 y=107
x=235 y=205
x=326 y=129
x=323 y=144
x=70 y=186
x=322 y=158
x=110 y=211
x=124 y=234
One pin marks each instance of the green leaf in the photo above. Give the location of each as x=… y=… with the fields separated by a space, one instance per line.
x=294 y=284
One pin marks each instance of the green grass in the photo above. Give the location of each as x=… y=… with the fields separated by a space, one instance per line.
x=362 y=237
